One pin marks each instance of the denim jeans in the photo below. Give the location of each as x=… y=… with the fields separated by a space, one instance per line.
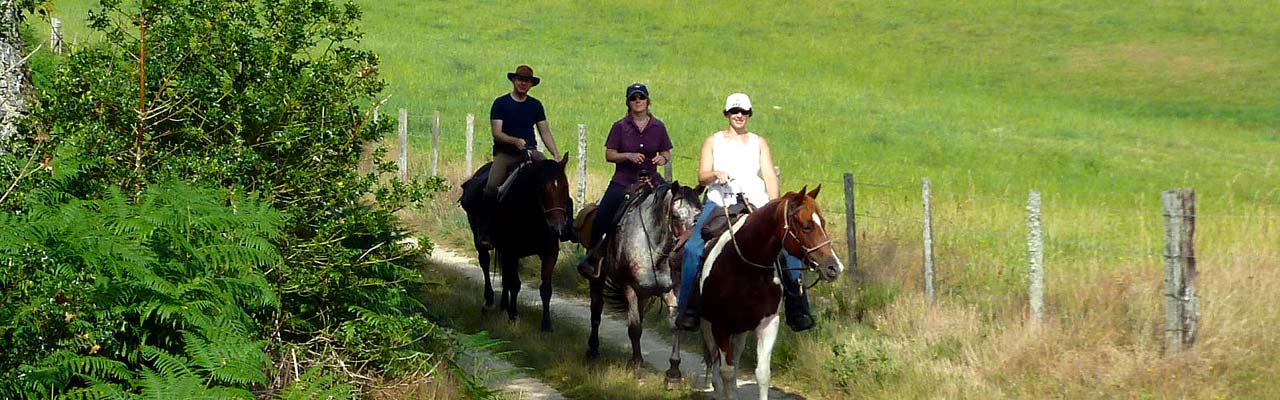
x=693 y=257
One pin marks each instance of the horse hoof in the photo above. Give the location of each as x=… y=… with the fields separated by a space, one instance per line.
x=546 y=326
x=673 y=382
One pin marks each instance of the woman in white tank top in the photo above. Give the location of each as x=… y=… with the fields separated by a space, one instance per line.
x=734 y=161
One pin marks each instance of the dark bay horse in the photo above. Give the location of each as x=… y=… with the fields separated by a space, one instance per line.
x=532 y=217
x=741 y=290
x=641 y=261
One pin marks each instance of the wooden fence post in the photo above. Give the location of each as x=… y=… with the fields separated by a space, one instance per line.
x=850 y=226
x=471 y=137
x=582 y=164
x=404 y=144
x=1035 y=252
x=928 y=243
x=1181 y=309
x=435 y=144
x=667 y=169
x=55 y=37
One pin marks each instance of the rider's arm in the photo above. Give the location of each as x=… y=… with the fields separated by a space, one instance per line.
x=706 y=175
x=547 y=139
x=666 y=157
x=502 y=137
x=767 y=172
x=615 y=156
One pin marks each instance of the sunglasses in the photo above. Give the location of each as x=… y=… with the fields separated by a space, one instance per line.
x=735 y=110
x=637 y=97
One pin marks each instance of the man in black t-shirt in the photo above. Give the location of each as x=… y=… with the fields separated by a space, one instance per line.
x=513 y=117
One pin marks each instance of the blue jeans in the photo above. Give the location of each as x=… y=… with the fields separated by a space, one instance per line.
x=693 y=257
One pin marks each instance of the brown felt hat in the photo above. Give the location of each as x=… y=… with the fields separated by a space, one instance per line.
x=524 y=71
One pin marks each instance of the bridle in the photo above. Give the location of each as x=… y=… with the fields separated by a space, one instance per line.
x=786 y=228
x=788 y=232
x=673 y=221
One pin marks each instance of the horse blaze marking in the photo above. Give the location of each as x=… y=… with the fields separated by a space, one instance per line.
x=817 y=219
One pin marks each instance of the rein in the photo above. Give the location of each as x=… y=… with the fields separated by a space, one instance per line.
x=786 y=227
x=733 y=237
x=667 y=211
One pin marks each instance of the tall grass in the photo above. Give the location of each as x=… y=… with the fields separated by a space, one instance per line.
x=1097 y=105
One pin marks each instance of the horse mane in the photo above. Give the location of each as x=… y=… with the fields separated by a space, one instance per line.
x=653 y=202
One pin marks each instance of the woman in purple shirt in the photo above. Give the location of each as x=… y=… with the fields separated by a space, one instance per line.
x=637 y=145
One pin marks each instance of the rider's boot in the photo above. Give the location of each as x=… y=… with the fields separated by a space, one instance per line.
x=484 y=234
x=795 y=301
x=589 y=267
x=689 y=319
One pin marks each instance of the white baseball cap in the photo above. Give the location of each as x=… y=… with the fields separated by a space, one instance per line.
x=737 y=100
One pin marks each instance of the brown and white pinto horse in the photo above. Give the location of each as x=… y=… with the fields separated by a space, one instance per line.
x=741 y=288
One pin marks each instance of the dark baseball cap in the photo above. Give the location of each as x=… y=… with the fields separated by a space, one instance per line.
x=637 y=88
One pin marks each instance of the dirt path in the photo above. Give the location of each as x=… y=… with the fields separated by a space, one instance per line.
x=504 y=375
x=577 y=311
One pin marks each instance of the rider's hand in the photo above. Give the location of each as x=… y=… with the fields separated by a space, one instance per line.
x=519 y=143
x=722 y=177
x=658 y=160
x=636 y=158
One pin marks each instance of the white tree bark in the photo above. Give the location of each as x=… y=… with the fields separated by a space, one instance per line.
x=13 y=72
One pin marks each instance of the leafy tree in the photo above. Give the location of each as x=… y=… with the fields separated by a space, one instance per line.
x=263 y=97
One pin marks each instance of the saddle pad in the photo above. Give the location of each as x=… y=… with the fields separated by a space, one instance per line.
x=718 y=222
x=582 y=223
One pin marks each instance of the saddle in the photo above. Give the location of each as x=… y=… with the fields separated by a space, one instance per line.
x=582 y=223
x=502 y=189
x=718 y=221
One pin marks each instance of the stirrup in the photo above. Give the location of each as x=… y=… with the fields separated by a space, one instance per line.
x=589 y=269
x=689 y=321
x=800 y=322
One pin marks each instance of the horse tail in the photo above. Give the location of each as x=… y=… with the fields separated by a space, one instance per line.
x=614 y=297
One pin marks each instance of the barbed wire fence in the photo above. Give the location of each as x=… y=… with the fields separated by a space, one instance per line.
x=1178 y=216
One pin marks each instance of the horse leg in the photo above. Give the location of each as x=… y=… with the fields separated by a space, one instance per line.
x=597 y=307
x=635 y=326
x=729 y=349
x=711 y=358
x=548 y=271
x=766 y=334
x=511 y=284
x=673 y=377
x=502 y=271
x=483 y=255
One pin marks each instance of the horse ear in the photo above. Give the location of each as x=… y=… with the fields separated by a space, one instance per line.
x=564 y=160
x=814 y=193
x=804 y=189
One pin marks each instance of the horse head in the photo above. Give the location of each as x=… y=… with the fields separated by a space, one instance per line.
x=557 y=206
x=685 y=207
x=804 y=234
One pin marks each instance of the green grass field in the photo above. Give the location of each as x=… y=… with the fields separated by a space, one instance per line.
x=1098 y=106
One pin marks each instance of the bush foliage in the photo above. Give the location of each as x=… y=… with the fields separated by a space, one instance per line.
x=186 y=206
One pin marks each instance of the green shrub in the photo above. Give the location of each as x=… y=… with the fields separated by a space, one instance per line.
x=263 y=97
x=109 y=296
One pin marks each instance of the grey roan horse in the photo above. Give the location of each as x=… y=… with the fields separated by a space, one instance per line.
x=641 y=261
